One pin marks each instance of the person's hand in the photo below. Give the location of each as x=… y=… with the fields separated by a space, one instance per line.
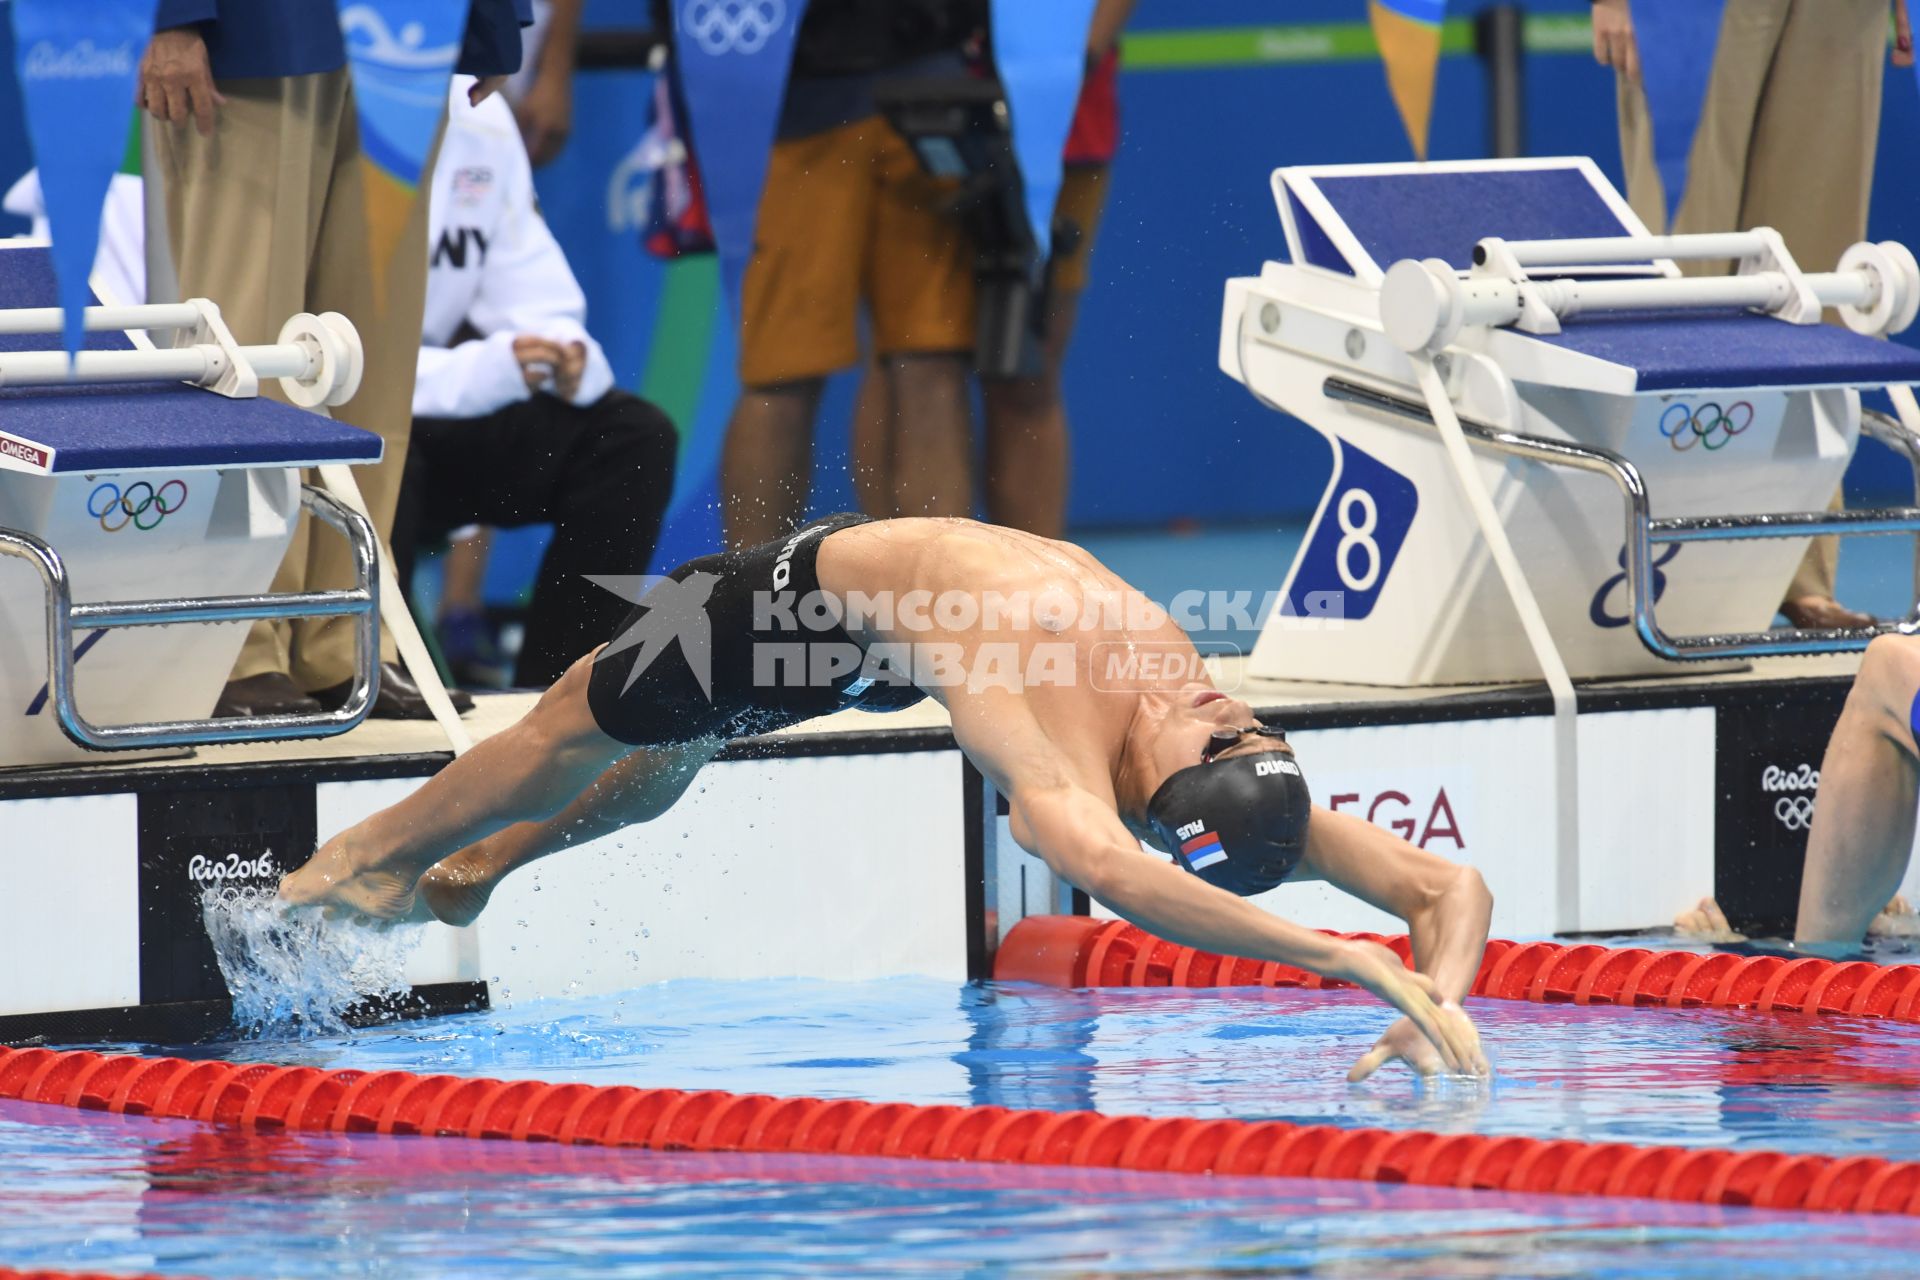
x=1902 y=35
x=176 y=80
x=485 y=87
x=1613 y=43
x=539 y=360
x=1404 y=1042
x=546 y=116
x=551 y=366
x=1451 y=1035
x=573 y=364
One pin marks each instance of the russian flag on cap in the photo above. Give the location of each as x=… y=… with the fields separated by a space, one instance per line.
x=1203 y=851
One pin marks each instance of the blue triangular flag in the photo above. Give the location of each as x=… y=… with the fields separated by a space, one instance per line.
x=1676 y=40
x=1040 y=50
x=78 y=64
x=733 y=60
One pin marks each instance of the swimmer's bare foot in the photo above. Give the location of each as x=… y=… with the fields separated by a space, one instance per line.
x=1706 y=922
x=1896 y=921
x=456 y=888
x=332 y=878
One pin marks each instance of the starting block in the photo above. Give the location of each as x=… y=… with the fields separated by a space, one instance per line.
x=152 y=486
x=1657 y=449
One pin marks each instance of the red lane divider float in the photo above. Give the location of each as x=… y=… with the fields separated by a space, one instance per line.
x=1080 y=951
x=270 y=1098
x=6 y=1274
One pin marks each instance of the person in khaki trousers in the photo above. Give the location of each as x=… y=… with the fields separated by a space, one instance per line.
x=1786 y=140
x=257 y=165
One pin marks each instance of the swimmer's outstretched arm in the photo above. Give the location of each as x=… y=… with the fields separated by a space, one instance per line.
x=529 y=773
x=1447 y=908
x=1080 y=838
x=1863 y=812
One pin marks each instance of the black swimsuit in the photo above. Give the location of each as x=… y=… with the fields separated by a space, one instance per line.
x=775 y=652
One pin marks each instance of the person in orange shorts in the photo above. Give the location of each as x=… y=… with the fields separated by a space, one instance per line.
x=1028 y=444
x=848 y=217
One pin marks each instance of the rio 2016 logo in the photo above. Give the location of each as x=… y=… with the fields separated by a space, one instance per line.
x=733 y=26
x=1712 y=426
x=139 y=505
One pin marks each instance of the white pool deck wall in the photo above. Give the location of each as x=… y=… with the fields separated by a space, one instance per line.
x=839 y=867
x=857 y=851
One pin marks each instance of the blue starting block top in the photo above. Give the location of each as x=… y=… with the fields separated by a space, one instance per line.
x=1719 y=350
x=95 y=427
x=1359 y=220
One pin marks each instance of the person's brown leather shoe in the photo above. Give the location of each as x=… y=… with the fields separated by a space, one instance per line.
x=272 y=693
x=1823 y=613
x=399 y=698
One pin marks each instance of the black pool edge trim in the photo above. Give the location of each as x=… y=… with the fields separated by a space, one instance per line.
x=187 y=1022
x=1491 y=704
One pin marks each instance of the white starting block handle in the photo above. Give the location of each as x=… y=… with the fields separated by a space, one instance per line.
x=361 y=602
x=152 y=317
x=1424 y=305
x=318 y=359
x=1611 y=250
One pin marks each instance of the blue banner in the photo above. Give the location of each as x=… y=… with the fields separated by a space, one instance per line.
x=402 y=53
x=1676 y=40
x=733 y=57
x=1040 y=50
x=78 y=64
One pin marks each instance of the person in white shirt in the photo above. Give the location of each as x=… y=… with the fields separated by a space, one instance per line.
x=516 y=418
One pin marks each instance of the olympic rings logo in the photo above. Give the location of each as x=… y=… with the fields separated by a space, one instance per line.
x=140 y=504
x=733 y=26
x=1711 y=426
x=1795 y=812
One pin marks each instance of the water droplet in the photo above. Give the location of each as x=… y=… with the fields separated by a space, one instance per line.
x=646 y=933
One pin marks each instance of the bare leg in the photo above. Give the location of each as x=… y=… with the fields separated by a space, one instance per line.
x=637 y=789
x=766 y=465
x=1027 y=437
x=874 y=425
x=933 y=443
x=465 y=573
x=1864 y=810
x=529 y=773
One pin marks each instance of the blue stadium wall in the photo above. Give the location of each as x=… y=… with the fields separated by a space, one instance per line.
x=1160 y=434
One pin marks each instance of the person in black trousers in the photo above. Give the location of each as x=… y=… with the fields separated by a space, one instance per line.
x=516 y=418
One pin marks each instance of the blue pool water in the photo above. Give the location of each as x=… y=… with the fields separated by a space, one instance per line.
x=88 y=1190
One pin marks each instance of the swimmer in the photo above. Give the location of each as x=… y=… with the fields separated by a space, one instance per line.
x=1863 y=814
x=1091 y=762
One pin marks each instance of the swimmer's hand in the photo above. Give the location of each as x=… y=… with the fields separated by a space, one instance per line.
x=1405 y=1042
x=1449 y=1035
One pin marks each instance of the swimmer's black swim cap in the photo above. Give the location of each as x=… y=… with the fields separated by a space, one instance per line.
x=1239 y=823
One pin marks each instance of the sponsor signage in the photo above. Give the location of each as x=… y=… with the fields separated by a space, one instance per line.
x=25 y=451
x=1767 y=769
x=194 y=843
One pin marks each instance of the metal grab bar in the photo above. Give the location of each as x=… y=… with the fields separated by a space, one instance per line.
x=361 y=601
x=1642 y=531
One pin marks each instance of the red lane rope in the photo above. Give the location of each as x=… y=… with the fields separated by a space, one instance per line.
x=8 y=1274
x=270 y=1098
x=1080 y=951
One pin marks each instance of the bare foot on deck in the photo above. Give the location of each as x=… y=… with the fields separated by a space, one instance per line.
x=330 y=878
x=1707 y=922
x=1896 y=921
x=456 y=889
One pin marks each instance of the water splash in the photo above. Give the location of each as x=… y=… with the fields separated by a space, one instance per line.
x=294 y=970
